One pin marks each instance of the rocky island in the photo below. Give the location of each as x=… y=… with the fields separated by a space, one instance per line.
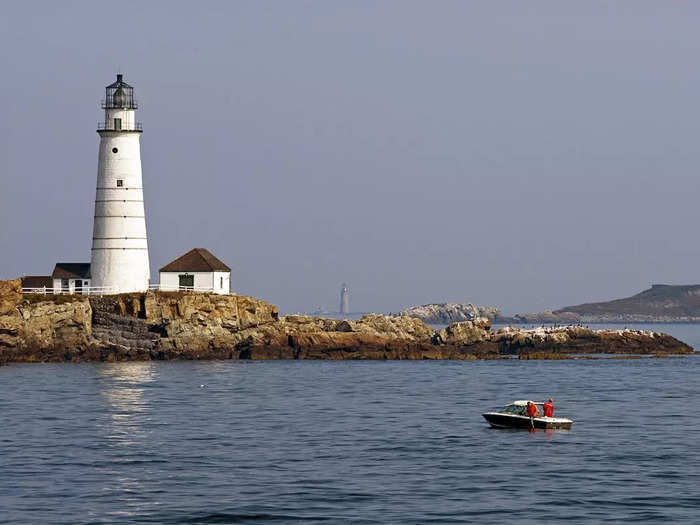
x=186 y=325
x=446 y=313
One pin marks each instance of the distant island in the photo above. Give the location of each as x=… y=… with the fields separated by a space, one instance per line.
x=662 y=303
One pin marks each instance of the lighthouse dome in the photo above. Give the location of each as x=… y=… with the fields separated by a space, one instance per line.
x=119 y=95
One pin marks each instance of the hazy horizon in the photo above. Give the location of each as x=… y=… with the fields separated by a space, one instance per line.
x=522 y=155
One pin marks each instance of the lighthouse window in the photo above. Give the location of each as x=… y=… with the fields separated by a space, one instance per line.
x=117 y=124
x=114 y=150
x=120 y=183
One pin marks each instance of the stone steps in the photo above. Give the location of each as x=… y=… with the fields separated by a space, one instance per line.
x=122 y=330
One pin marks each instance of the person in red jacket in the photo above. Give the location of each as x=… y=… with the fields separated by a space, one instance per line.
x=532 y=409
x=548 y=408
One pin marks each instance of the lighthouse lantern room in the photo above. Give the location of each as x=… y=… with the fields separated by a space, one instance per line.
x=119 y=261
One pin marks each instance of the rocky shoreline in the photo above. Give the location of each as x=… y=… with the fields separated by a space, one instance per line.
x=564 y=317
x=178 y=325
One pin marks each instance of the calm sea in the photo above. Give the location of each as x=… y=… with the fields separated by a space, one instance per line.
x=348 y=442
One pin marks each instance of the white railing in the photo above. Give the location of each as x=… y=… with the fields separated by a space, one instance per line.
x=174 y=288
x=85 y=290
x=112 y=126
x=112 y=290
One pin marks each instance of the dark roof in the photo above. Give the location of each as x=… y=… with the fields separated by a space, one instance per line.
x=37 y=281
x=71 y=271
x=196 y=260
x=119 y=83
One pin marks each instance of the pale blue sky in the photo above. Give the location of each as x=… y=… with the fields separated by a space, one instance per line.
x=519 y=154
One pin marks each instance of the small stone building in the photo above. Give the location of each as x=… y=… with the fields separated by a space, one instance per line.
x=197 y=270
x=71 y=277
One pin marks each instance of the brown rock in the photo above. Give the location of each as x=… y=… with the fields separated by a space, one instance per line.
x=10 y=296
x=50 y=326
x=395 y=327
x=579 y=340
x=464 y=333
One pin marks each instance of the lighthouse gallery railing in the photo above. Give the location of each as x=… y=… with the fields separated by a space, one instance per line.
x=110 y=126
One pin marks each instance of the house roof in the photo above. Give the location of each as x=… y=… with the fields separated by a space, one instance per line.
x=196 y=260
x=37 y=281
x=71 y=271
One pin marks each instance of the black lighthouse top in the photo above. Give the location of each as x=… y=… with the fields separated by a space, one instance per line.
x=119 y=95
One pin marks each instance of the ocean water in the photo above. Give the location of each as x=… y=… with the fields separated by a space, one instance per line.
x=348 y=442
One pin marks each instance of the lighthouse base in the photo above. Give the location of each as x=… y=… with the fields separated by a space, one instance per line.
x=120 y=270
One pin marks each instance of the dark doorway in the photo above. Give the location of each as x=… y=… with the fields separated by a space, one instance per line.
x=117 y=124
x=78 y=286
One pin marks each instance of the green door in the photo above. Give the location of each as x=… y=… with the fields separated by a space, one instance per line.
x=186 y=282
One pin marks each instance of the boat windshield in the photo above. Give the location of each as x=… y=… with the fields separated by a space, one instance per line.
x=515 y=409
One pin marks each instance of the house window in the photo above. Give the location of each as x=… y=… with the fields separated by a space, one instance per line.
x=65 y=285
x=221 y=283
x=186 y=281
x=120 y=183
x=117 y=124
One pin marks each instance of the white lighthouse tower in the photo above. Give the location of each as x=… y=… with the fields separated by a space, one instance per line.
x=119 y=246
x=344 y=300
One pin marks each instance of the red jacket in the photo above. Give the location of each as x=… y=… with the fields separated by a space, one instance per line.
x=548 y=409
x=532 y=410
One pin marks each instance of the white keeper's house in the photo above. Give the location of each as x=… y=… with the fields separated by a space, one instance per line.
x=71 y=277
x=197 y=270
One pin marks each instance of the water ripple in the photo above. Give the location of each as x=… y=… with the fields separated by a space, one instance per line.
x=346 y=442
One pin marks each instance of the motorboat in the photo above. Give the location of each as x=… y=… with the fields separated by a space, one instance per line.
x=515 y=415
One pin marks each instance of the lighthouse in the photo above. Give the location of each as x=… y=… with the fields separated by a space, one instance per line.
x=344 y=300
x=119 y=261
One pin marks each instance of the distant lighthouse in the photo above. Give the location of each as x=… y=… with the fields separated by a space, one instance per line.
x=119 y=246
x=344 y=300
